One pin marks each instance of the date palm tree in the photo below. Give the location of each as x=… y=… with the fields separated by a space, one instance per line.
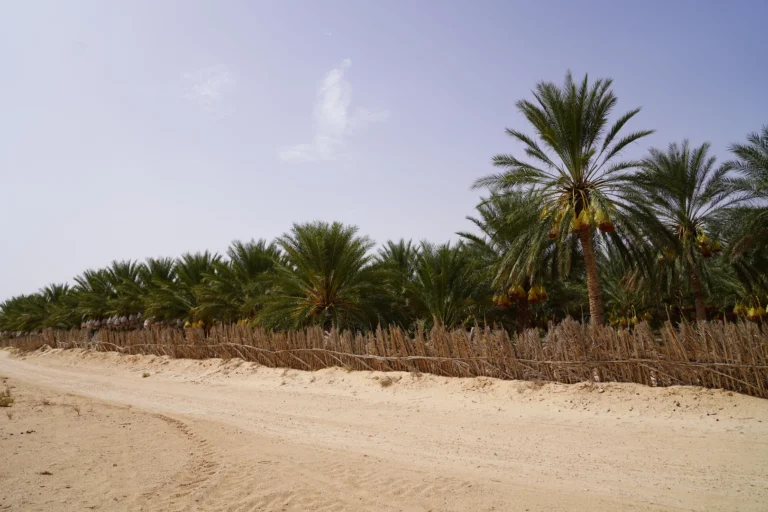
x=94 y=290
x=24 y=313
x=127 y=292
x=687 y=193
x=751 y=163
x=397 y=261
x=236 y=288
x=326 y=278
x=514 y=251
x=447 y=288
x=400 y=257
x=179 y=299
x=51 y=307
x=61 y=306
x=572 y=165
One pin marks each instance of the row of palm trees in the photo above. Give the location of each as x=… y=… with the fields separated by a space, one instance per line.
x=569 y=228
x=318 y=273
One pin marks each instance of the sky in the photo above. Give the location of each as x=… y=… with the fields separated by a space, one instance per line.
x=144 y=128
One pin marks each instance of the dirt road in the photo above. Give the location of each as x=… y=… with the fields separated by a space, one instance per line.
x=146 y=433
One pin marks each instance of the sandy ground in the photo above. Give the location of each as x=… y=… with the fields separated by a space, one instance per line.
x=89 y=431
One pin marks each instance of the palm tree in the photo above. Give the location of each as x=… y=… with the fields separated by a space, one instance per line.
x=397 y=261
x=51 y=307
x=573 y=169
x=155 y=274
x=752 y=165
x=24 y=313
x=686 y=193
x=446 y=289
x=127 y=293
x=179 y=299
x=156 y=271
x=399 y=256
x=28 y=313
x=236 y=288
x=326 y=279
x=511 y=247
x=631 y=294
x=94 y=290
x=61 y=307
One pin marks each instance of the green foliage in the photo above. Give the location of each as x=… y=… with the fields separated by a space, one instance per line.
x=749 y=226
x=51 y=307
x=397 y=262
x=180 y=297
x=446 y=289
x=236 y=288
x=325 y=278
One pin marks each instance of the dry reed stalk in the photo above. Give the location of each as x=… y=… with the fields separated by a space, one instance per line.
x=715 y=355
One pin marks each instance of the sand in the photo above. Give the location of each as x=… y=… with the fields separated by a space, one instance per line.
x=229 y=435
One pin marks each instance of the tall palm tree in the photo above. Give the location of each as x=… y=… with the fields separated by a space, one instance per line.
x=326 y=279
x=572 y=166
x=686 y=193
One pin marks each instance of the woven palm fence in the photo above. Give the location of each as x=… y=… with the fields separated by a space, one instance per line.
x=732 y=356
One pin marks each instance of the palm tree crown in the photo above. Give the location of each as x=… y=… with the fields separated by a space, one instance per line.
x=752 y=165
x=326 y=279
x=235 y=289
x=445 y=289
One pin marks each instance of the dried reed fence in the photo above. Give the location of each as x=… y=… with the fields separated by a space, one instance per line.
x=732 y=356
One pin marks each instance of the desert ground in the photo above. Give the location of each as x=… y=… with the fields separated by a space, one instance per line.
x=103 y=431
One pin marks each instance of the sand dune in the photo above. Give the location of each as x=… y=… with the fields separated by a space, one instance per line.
x=230 y=435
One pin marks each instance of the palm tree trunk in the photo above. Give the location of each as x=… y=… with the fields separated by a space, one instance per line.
x=698 y=297
x=593 y=282
x=522 y=315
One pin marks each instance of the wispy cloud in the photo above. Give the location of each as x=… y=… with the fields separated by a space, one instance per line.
x=207 y=87
x=333 y=120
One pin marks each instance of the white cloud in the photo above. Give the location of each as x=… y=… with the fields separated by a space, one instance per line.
x=332 y=119
x=208 y=87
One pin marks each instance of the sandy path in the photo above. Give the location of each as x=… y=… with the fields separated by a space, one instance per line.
x=228 y=435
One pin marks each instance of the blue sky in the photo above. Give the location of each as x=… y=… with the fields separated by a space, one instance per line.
x=144 y=128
